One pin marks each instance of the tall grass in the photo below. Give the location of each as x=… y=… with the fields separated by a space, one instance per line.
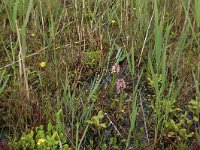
x=155 y=42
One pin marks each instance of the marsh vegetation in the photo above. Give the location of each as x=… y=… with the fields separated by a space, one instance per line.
x=100 y=74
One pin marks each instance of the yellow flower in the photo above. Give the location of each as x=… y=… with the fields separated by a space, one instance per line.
x=40 y=141
x=33 y=35
x=113 y=21
x=43 y=64
x=122 y=110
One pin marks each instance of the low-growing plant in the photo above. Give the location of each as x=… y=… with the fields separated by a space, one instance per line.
x=194 y=107
x=178 y=125
x=57 y=55
x=96 y=121
x=41 y=138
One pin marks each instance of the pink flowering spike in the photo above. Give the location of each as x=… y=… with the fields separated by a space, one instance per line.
x=120 y=84
x=115 y=68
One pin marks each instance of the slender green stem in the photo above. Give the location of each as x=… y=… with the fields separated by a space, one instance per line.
x=121 y=99
x=113 y=83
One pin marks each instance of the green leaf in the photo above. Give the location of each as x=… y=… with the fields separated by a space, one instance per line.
x=195 y=118
x=49 y=127
x=90 y=122
x=102 y=125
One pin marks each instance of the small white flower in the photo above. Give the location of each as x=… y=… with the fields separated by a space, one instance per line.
x=115 y=68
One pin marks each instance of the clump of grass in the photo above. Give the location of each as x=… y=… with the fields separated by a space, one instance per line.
x=56 y=56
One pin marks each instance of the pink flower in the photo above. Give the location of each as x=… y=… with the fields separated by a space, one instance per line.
x=115 y=68
x=120 y=84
